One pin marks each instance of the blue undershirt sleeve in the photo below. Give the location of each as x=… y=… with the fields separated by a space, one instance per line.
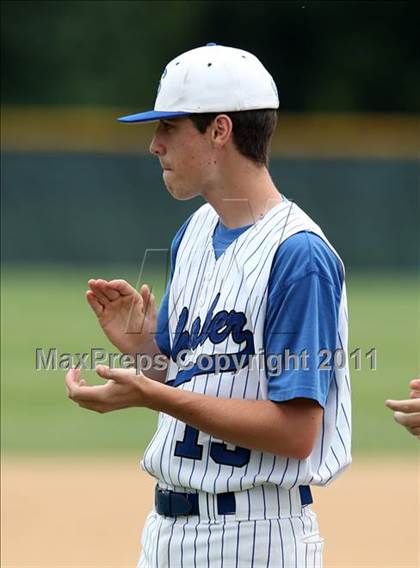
x=301 y=326
x=162 y=325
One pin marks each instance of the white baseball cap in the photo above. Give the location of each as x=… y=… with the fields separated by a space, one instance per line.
x=213 y=78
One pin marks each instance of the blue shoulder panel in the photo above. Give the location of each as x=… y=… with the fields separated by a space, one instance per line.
x=304 y=295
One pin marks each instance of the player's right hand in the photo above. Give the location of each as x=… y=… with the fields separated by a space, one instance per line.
x=127 y=317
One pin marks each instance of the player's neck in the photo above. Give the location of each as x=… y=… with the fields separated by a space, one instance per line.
x=243 y=195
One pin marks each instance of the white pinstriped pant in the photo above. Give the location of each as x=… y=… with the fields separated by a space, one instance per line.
x=223 y=541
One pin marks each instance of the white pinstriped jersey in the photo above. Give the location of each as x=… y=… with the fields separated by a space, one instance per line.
x=217 y=308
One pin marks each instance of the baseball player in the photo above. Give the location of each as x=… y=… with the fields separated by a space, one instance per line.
x=407 y=412
x=254 y=402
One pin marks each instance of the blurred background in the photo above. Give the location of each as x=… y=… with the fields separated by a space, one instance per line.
x=82 y=198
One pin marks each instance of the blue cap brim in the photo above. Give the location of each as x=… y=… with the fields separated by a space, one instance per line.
x=151 y=116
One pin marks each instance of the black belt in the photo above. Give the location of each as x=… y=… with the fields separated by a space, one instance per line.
x=173 y=504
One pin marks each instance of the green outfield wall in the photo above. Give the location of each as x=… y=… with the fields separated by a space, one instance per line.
x=77 y=186
x=110 y=208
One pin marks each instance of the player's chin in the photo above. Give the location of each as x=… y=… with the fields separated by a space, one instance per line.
x=178 y=190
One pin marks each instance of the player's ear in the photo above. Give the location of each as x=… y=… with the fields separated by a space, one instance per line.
x=221 y=129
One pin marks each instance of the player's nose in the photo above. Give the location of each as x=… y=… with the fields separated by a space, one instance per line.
x=156 y=147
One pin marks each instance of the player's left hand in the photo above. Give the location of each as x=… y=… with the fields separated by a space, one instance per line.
x=407 y=412
x=123 y=389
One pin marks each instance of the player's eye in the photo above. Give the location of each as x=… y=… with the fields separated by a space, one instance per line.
x=167 y=125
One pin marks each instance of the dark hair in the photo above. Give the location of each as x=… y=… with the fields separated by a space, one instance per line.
x=252 y=131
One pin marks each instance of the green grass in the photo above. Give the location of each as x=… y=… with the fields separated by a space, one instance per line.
x=384 y=313
x=45 y=307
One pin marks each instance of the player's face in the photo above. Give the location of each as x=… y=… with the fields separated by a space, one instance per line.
x=185 y=156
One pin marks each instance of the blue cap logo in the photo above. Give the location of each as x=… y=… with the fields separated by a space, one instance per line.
x=163 y=76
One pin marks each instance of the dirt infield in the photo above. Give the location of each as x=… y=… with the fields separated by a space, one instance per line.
x=88 y=513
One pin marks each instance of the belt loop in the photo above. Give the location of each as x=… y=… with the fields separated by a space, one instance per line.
x=305 y=495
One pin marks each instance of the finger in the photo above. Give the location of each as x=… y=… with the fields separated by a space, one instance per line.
x=123 y=287
x=415 y=394
x=406 y=406
x=415 y=384
x=415 y=431
x=149 y=300
x=408 y=420
x=153 y=307
x=96 y=289
x=145 y=291
x=92 y=394
x=96 y=306
x=117 y=375
x=107 y=290
x=72 y=380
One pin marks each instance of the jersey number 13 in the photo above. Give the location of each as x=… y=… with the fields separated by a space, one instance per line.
x=189 y=447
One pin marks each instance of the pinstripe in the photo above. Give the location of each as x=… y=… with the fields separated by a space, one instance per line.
x=208 y=445
x=223 y=542
x=237 y=545
x=149 y=551
x=342 y=343
x=157 y=542
x=249 y=504
x=195 y=543
x=281 y=545
x=171 y=437
x=208 y=547
x=269 y=544
x=335 y=456
x=322 y=441
x=278 y=502
x=284 y=472
x=329 y=470
x=220 y=467
x=297 y=475
x=231 y=474
x=259 y=469
x=193 y=465
x=294 y=541
x=264 y=501
x=341 y=440
x=345 y=416
x=258 y=392
x=149 y=458
x=182 y=542
x=311 y=522
x=170 y=542
x=253 y=543
x=272 y=469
